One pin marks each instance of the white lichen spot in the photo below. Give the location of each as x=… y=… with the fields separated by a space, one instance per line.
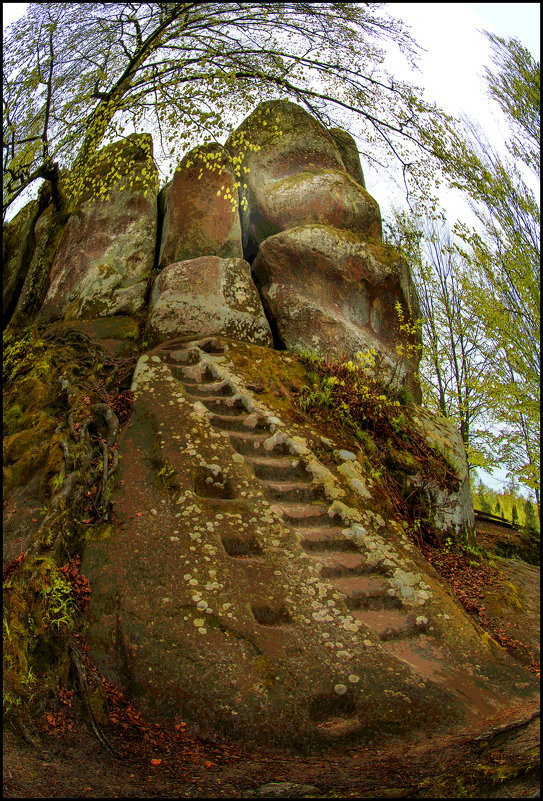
x=340 y=689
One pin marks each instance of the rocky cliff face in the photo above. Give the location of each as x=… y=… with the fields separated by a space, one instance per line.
x=255 y=577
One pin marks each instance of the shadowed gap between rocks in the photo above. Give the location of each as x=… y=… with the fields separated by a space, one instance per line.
x=278 y=342
x=158 y=240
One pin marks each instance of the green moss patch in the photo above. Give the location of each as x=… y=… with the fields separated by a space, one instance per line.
x=60 y=393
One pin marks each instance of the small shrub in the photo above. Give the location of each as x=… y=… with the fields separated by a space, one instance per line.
x=348 y=394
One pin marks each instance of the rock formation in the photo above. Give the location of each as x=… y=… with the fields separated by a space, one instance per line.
x=200 y=209
x=255 y=579
x=327 y=281
x=207 y=295
x=106 y=253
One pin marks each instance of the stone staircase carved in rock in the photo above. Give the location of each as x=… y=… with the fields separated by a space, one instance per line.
x=302 y=502
x=262 y=597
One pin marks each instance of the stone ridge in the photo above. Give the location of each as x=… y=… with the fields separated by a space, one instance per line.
x=259 y=598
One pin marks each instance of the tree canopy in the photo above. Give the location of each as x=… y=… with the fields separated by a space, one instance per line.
x=77 y=75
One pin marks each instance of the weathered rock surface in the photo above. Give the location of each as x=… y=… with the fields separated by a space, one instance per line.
x=107 y=249
x=332 y=293
x=204 y=296
x=293 y=174
x=349 y=153
x=327 y=282
x=249 y=588
x=452 y=511
x=200 y=209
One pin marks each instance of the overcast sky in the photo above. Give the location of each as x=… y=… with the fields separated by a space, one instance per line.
x=452 y=70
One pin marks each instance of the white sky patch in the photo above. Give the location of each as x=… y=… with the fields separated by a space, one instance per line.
x=11 y=12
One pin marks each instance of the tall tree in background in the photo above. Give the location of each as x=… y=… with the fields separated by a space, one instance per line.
x=453 y=364
x=502 y=284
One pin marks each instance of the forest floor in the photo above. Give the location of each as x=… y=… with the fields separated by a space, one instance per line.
x=153 y=761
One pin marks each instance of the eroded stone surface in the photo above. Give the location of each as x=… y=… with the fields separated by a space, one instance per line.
x=332 y=293
x=293 y=174
x=200 y=208
x=17 y=249
x=349 y=154
x=453 y=511
x=107 y=249
x=204 y=296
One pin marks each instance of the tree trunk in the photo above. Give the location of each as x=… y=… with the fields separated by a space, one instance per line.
x=37 y=277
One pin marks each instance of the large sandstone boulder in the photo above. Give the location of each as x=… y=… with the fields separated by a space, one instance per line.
x=293 y=174
x=208 y=295
x=349 y=154
x=107 y=249
x=331 y=293
x=200 y=209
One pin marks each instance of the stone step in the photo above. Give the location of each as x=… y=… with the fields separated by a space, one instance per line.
x=295 y=491
x=183 y=374
x=322 y=538
x=248 y=443
x=208 y=345
x=389 y=624
x=219 y=388
x=367 y=592
x=236 y=422
x=173 y=344
x=180 y=358
x=219 y=405
x=335 y=564
x=205 y=344
x=274 y=468
x=307 y=514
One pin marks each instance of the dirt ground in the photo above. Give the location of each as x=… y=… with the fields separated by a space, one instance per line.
x=500 y=761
